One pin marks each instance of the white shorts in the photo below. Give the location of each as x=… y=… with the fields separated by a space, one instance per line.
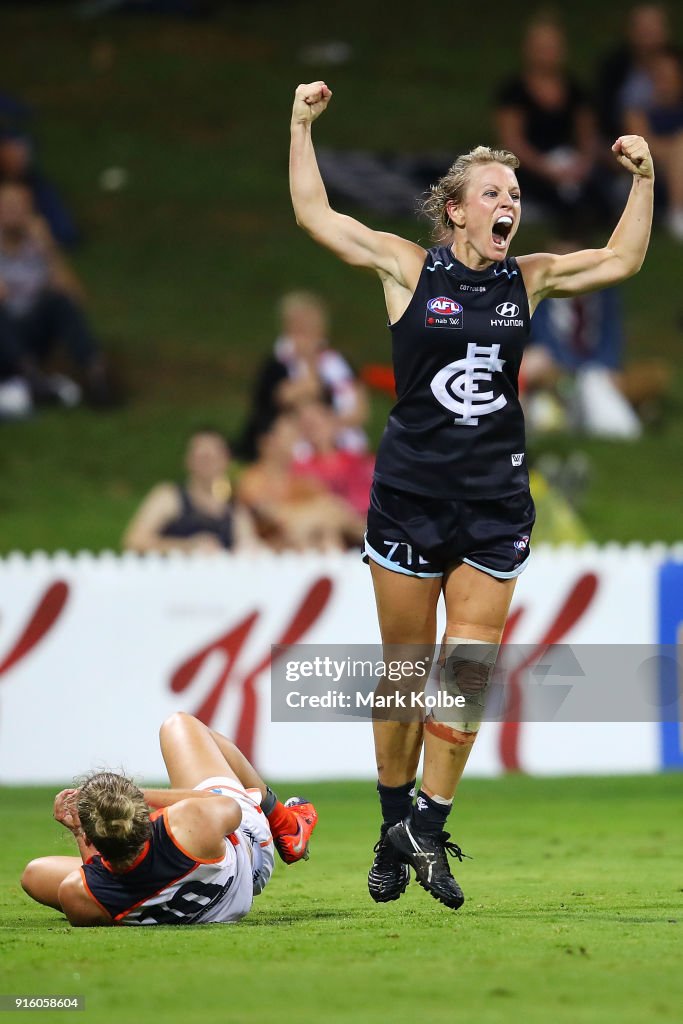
x=254 y=831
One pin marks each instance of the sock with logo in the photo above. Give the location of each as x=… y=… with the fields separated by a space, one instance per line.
x=429 y=814
x=396 y=801
x=282 y=820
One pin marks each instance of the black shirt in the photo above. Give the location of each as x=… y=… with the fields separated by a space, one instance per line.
x=545 y=128
x=457 y=429
x=191 y=521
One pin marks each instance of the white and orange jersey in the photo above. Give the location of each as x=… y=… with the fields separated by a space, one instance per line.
x=168 y=885
x=254 y=827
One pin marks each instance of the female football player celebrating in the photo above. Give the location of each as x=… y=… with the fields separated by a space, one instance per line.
x=200 y=858
x=450 y=508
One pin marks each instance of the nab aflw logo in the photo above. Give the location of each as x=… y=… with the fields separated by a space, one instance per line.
x=456 y=387
x=444 y=305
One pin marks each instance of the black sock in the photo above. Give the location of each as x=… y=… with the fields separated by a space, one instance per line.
x=396 y=801
x=429 y=817
x=268 y=801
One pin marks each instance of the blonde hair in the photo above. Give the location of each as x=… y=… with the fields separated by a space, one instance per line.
x=114 y=815
x=452 y=187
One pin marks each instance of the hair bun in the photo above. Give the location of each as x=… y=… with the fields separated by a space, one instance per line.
x=114 y=815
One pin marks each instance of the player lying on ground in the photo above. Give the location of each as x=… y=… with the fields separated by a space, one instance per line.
x=199 y=858
x=450 y=508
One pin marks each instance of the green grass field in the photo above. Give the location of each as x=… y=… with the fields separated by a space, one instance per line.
x=574 y=914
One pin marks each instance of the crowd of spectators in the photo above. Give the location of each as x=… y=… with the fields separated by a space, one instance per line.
x=302 y=470
x=562 y=131
x=560 y=124
x=305 y=473
x=574 y=374
x=48 y=351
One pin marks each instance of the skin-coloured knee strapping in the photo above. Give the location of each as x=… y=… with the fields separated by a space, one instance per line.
x=466 y=673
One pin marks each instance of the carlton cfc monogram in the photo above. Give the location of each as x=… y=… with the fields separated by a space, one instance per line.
x=456 y=386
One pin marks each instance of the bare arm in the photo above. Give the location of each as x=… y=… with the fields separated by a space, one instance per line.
x=143 y=533
x=547 y=275
x=80 y=908
x=352 y=241
x=168 y=797
x=200 y=825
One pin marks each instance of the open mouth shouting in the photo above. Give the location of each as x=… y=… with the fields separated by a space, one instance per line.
x=500 y=232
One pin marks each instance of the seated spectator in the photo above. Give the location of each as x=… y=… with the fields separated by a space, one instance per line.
x=624 y=77
x=199 y=516
x=572 y=372
x=344 y=473
x=302 y=367
x=294 y=512
x=660 y=120
x=544 y=117
x=41 y=306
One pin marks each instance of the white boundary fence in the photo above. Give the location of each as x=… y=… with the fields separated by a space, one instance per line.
x=96 y=650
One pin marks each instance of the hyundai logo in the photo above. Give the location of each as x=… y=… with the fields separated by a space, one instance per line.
x=507 y=310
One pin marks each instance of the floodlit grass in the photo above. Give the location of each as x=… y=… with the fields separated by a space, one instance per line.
x=574 y=913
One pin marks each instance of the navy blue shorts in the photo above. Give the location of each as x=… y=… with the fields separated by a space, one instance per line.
x=421 y=536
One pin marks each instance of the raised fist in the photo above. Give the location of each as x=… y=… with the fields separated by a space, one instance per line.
x=633 y=153
x=310 y=101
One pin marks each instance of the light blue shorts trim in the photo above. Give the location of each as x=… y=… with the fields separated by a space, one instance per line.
x=394 y=567
x=496 y=572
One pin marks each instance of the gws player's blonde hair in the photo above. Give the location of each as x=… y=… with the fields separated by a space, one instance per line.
x=114 y=816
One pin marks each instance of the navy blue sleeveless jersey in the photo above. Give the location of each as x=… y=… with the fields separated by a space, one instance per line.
x=164 y=885
x=160 y=864
x=457 y=429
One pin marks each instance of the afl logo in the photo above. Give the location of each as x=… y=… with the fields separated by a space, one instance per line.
x=444 y=306
x=507 y=310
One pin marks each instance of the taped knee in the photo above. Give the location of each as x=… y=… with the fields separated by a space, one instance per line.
x=464 y=682
x=459 y=734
